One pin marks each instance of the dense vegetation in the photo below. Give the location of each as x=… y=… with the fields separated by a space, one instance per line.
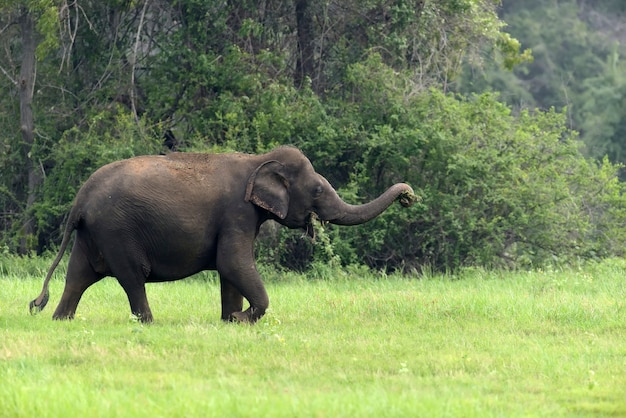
x=370 y=90
x=578 y=67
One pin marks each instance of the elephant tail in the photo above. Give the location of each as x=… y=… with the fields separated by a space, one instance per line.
x=37 y=304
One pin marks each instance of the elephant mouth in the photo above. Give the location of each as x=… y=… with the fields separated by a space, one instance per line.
x=309 y=226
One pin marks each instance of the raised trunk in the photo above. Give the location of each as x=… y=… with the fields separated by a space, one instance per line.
x=347 y=214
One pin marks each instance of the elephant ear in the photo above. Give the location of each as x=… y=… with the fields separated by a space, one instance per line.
x=267 y=188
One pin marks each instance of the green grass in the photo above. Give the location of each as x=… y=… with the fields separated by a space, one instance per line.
x=358 y=344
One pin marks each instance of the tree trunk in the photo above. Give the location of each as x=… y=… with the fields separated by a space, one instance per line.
x=26 y=87
x=305 y=64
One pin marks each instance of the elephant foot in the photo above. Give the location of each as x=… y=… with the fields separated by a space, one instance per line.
x=62 y=316
x=249 y=316
x=239 y=317
x=144 y=318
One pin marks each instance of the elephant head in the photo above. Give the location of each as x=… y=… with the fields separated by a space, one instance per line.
x=287 y=186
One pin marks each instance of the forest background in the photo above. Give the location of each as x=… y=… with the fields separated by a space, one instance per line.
x=507 y=118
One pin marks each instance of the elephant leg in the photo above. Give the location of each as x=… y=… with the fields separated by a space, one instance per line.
x=135 y=288
x=254 y=291
x=131 y=270
x=235 y=264
x=80 y=275
x=232 y=299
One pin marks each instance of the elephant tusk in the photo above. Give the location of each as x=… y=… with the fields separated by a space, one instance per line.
x=310 y=227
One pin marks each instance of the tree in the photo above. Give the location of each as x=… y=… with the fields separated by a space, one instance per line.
x=358 y=85
x=577 y=48
x=22 y=15
x=26 y=84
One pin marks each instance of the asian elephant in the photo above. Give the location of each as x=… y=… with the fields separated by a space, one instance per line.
x=166 y=217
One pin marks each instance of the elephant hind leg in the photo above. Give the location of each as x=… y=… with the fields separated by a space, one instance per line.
x=131 y=269
x=80 y=275
x=133 y=281
x=136 y=292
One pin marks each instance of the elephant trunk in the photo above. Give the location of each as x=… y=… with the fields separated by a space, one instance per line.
x=347 y=214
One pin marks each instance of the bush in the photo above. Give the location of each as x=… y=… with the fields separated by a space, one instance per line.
x=496 y=189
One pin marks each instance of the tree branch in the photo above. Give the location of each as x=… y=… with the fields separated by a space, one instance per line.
x=5 y=72
x=134 y=65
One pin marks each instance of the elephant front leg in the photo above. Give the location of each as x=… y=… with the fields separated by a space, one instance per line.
x=240 y=279
x=232 y=300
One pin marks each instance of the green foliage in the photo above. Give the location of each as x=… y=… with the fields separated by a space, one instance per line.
x=426 y=37
x=46 y=13
x=577 y=67
x=498 y=186
x=496 y=189
x=601 y=108
x=48 y=25
x=509 y=47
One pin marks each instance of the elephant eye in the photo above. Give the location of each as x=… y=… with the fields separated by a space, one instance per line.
x=317 y=192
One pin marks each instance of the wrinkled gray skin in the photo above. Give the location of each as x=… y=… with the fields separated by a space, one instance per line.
x=162 y=218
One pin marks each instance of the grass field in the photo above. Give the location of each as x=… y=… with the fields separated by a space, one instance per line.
x=348 y=344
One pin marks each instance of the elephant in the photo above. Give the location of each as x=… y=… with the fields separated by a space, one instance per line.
x=166 y=217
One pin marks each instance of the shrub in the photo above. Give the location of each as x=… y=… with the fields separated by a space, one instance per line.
x=496 y=189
